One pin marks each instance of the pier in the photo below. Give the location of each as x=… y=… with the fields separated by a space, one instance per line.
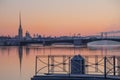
x=77 y=67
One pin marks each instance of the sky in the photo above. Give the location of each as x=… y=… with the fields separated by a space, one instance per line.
x=59 y=17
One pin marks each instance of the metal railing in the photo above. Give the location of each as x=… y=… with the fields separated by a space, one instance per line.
x=61 y=64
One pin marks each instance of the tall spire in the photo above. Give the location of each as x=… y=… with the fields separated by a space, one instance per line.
x=20 y=31
x=20 y=19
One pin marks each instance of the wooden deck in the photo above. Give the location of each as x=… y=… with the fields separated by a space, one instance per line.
x=74 y=77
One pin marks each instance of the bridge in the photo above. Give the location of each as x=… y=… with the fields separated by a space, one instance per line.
x=76 y=41
x=111 y=35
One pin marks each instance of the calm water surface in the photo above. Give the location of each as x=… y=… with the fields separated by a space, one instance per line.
x=18 y=63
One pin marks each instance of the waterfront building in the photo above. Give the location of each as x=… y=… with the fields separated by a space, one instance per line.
x=28 y=36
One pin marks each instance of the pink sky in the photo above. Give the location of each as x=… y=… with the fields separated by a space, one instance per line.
x=59 y=17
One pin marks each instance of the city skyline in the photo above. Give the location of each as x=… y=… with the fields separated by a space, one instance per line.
x=62 y=17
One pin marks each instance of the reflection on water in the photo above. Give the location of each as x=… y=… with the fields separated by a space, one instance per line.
x=27 y=51
x=20 y=54
x=17 y=63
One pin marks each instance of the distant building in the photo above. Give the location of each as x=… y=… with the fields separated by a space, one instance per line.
x=20 y=31
x=27 y=36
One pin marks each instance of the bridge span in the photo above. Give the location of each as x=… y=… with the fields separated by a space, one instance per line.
x=52 y=41
x=74 y=41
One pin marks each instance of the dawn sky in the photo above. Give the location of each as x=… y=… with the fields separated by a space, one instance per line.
x=59 y=17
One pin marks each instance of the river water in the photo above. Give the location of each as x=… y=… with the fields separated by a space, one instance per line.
x=18 y=63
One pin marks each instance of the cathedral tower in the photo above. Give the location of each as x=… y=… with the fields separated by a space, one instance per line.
x=20 y=31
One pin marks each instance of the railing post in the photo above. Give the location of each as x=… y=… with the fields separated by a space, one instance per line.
x=96 y=63
x=114 y=66
x=64 y=65
x=52 y=64
x=36 y=65
x=48 y=64
x=105 y=67
x=69 y=66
